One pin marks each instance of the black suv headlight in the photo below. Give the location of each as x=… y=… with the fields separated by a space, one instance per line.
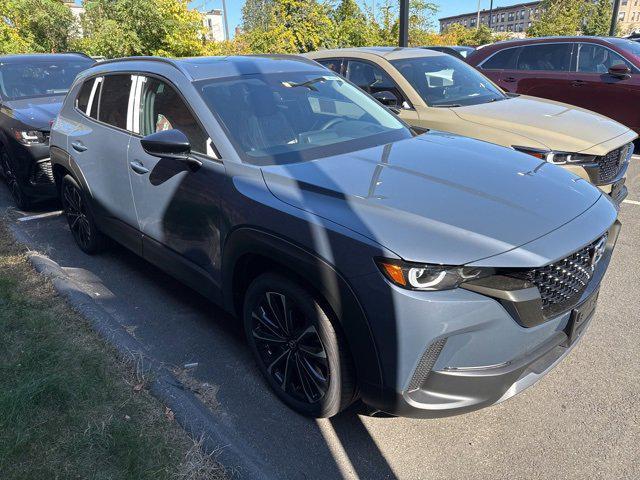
x=29 y=137
x=415 y=276
x=559 y=158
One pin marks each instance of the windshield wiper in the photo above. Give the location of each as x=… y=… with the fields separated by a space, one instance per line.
x=451 y=105
x=308 y=84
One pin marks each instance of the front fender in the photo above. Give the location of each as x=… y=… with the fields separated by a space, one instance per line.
x=322 y=277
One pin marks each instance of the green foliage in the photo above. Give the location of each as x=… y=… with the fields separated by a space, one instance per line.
x=598 y=20
x=117 y=28
x=140 y=27
x=35 y=25
x=573 y=17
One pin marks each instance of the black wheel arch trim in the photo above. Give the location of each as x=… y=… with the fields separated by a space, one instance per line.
x=322 y=277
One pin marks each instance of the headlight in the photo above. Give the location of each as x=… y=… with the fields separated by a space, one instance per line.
x=29 y=137
x=559 y=158
x=415 y=276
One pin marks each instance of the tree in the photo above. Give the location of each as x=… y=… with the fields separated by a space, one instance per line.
x=141 y=27
x=598 y=19
x=36 y=25
x=256 y=14
x=560 y=17
x=351 y=26
x=293 y=26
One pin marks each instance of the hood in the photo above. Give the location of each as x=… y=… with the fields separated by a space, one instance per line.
x=557 y=125
x=437 y=198
x=36 y=112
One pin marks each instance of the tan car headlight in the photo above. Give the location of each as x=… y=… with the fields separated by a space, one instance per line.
x=559 y=158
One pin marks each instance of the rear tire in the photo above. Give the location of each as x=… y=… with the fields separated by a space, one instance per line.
x=299 y=351
x=22 y=200
x=80 y=218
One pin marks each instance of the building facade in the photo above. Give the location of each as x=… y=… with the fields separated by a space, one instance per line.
x=516 y=18
x=629 y=16
x=214 y=25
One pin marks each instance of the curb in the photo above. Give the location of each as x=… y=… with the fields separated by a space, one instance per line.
x=237 y=457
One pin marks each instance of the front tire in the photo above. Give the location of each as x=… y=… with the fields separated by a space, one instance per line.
x=21 y=199
x=80 y=218
x=297 y=348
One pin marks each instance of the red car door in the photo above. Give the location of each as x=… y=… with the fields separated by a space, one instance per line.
x=543 y=70
x=594 y=88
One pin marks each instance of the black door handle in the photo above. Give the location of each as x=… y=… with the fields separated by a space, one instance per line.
x=79 y=146
x=138 y=167
x=510 y=79
x=578 y=83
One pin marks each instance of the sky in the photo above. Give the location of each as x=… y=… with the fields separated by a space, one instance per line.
x=447 y=7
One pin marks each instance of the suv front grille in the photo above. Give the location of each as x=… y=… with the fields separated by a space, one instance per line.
x=609 y=165
x=42 y=173
x=562 y=283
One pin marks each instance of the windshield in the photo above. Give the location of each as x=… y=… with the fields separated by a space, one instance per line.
x=628 y=46
x=39 y=78
x=291 y=117
x=445 y=81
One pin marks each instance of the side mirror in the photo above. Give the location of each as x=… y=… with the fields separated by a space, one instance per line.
x=387 y=98
x=167 y=144
x=619 y=70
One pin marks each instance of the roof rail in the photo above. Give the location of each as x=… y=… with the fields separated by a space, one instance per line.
x=143 y=58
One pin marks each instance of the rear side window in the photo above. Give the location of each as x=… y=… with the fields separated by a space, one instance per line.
x=553 y=57
x=114 y=100
x=504 y=60
x=82 y=100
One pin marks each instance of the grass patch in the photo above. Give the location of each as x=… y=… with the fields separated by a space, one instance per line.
x=69 y=407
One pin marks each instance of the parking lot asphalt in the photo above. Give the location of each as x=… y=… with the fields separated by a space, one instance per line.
x=580 y=421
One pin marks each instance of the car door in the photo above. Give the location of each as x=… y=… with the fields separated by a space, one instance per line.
x=501 y=68
x=177 y=201
x=98 y=145
x=593 y=88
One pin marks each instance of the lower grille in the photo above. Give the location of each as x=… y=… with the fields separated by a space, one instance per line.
x=562 y=283
x=609 y=165
x=42 y=173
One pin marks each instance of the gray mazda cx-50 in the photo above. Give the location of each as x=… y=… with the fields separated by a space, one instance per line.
x=426 y=275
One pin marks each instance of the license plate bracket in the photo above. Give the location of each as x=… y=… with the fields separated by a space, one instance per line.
x=580 y=317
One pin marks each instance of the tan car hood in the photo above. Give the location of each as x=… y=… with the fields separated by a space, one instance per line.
x=557 y=125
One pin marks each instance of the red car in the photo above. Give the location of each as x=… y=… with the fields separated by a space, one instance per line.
x=597 y=73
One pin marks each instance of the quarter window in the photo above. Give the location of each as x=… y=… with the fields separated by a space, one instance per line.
x=114 y=100
x=161 y=108
x=82 y=100
x=554 y=57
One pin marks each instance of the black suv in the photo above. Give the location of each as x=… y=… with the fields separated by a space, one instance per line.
x=32 y=89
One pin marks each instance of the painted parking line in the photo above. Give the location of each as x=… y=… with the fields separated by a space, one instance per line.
x=631 y=202
x=57 y=213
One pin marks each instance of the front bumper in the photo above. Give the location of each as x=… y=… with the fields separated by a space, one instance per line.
x=33 y=169
x=457 y=351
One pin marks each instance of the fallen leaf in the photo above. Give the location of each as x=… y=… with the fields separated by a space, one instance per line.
x=168 y=413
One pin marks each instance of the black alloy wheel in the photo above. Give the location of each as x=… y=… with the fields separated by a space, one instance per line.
x=79 y=217
x=290 y=347
x=19 y=197
x=297 y=349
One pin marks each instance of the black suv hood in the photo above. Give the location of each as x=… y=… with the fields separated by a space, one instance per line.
x=37 y=112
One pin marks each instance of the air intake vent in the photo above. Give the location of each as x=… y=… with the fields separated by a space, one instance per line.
x=427 y=362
